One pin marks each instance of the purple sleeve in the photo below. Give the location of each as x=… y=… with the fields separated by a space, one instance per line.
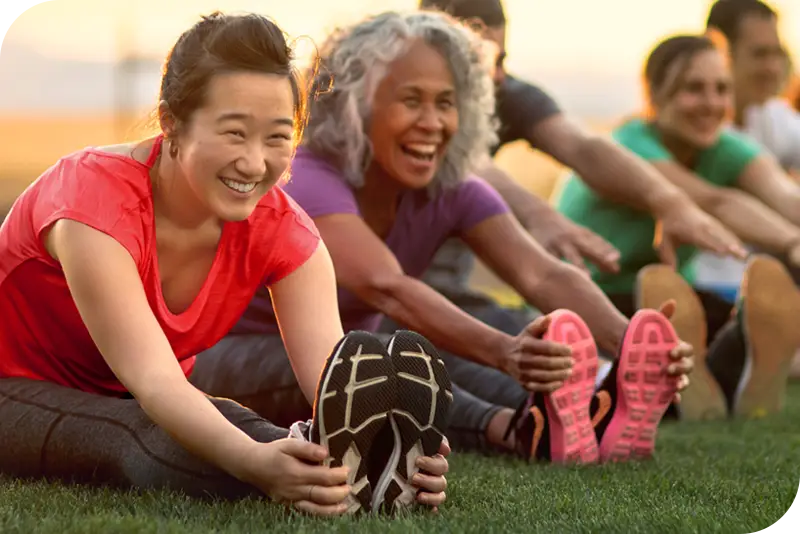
x=318 y=188
x=475 y=201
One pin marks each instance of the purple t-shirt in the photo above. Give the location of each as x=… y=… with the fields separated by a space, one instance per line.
x=421 y=226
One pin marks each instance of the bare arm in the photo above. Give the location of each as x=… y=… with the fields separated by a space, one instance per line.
x=374 y=276
x=544 y=281
x=768 y=182
x=557 y=234
x=307 y=310
x=526 y=207
x=611 y=170
x=749 y=219
x=617 y=174
x=108 y=292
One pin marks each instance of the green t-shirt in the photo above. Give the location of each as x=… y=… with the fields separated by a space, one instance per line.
x=632 y=231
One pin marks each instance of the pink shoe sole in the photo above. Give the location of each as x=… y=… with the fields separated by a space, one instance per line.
x=572 y=437
x=644 y=390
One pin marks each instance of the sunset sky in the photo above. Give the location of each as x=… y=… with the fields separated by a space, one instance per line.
x=553 y=35
x=60 y=89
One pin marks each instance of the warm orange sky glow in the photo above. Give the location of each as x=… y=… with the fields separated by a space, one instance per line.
x=562 y=35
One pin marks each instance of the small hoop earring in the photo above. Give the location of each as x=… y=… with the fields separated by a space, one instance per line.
x=173 y=149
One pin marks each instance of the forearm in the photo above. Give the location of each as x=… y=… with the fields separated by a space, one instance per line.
x=418 y=307
x=754 y=222
x=788 y=207
x=565 y=287
x=618 y=175
x=528 y=208
x=187 y=415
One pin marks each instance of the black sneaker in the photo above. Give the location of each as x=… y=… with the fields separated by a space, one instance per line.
x=752 y=354
x=355 y=396
x=419 y=420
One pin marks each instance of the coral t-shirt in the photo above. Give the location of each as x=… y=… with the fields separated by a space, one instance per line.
x=42 y=335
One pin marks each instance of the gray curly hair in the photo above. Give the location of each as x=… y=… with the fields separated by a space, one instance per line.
x=352 y=63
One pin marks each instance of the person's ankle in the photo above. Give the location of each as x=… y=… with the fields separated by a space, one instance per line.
x=497 y=427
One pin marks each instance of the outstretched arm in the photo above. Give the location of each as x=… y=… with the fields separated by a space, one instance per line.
x=767 y=181
x=307 y=310
x=751 y=220
x=105 y=284
x=611 y=170
x=543 y=281
x=557 y=234
x=306 y=307
x=109 y=295
x=375 y=276
x=617 y=174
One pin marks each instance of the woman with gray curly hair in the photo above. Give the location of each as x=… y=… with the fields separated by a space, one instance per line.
x=384 y=172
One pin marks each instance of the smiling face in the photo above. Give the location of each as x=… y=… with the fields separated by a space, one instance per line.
x=697 y=109
x=239 y=143
x=414 y=116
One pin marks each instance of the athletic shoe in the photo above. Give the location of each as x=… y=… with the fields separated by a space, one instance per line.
x=355 y=396
x=638 y=389
x=557 y=426
x=419 y=419
x=752 y=355
x=703 y=399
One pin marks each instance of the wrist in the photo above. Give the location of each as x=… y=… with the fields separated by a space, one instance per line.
x=660 y=203
x=239 y=463
x=535 y=214
x=791 y=243
x=499 y=347
x=612 y=341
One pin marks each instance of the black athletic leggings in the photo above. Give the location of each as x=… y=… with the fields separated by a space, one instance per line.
x=53 y=431
x=56 y=432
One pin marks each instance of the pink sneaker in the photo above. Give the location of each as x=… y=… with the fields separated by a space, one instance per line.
x=557 y=426
x=639 y=387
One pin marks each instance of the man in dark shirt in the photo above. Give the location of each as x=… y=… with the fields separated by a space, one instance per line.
x=527 y=112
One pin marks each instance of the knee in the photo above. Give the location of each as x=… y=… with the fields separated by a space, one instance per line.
x=231 y=410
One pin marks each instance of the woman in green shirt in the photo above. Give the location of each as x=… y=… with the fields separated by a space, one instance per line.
x=684 y=136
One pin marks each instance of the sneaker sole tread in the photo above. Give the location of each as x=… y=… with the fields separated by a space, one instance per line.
x=703 y=399
x=355 y=397
x=772 y=309
x=421 y=416
x=572 y=436
x=644 y=390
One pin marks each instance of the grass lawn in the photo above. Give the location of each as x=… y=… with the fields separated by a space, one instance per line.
x=737 y=477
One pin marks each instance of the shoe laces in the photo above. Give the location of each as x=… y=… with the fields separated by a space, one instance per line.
x=301 y=430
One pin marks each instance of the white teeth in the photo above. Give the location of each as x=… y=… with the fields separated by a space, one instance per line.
x=241 y=187
x=425 y=149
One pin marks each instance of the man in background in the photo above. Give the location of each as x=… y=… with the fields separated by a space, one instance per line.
x=761 y=70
